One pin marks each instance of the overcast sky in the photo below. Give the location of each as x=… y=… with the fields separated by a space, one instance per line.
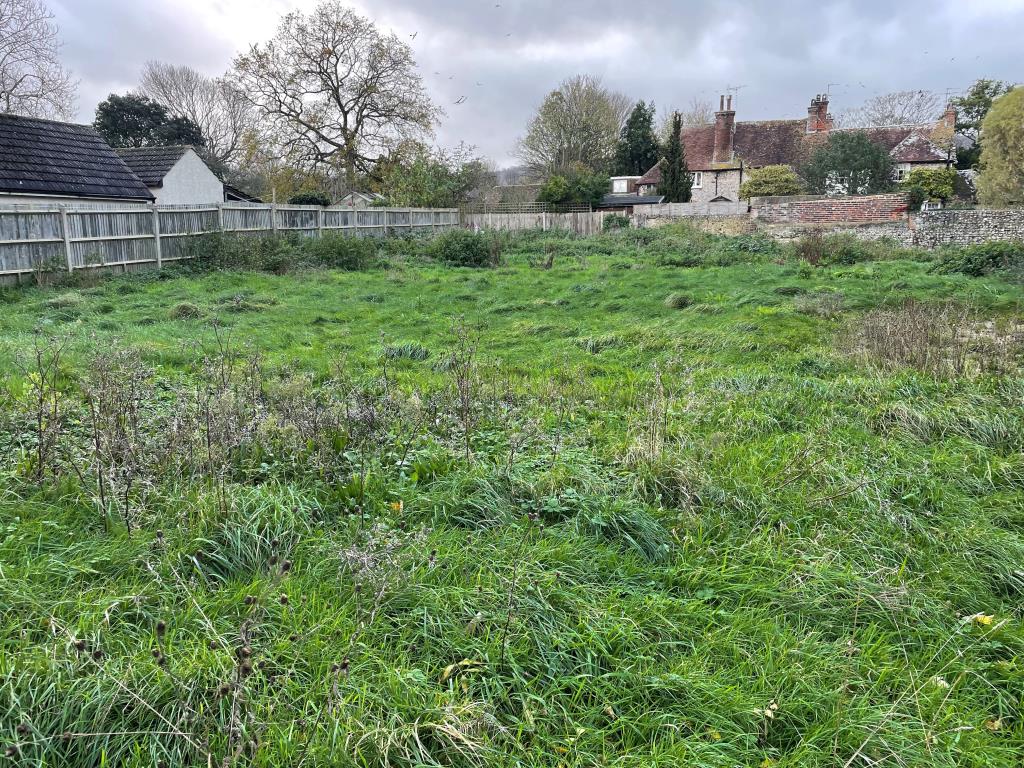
x=778 y=53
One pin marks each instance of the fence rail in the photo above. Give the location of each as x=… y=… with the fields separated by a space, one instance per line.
x=47 y=238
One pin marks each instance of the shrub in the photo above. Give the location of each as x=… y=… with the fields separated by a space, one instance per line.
x=915 y=196
x=843 y=248
x=462 y=248
x=935 y=183
x=771 y=180
x=981 y=259
x=309 y=198
x=616 y=221
x=678 y=301
x=341 y=252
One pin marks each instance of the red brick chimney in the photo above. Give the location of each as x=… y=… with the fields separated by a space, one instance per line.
x=818 y=118
x=725 y=129
x=949 y=117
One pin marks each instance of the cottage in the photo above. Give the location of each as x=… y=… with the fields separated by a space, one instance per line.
x=175 y=175
x=45 y=161
x=719 y=155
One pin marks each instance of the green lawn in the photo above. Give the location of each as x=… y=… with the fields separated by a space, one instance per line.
x=418 y=515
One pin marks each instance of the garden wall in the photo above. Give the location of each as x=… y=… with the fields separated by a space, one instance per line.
x=822 y=210
x=964 y=227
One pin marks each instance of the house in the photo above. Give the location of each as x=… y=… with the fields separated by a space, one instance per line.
x=360 y=200
x=45 y=161
x=175 y=175
x=719 y=155
x=624 y=185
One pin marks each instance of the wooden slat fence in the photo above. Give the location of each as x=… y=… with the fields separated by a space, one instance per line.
x=50 y=238
x=583 y=223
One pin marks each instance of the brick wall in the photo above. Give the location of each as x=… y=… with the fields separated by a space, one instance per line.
x=820 y=210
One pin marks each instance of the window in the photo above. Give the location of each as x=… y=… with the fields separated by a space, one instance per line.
x=901 y=174
x=698 y=179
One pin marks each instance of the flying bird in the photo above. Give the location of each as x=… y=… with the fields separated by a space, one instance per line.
x=479 y=83
x=461 y=100
x=413 y=35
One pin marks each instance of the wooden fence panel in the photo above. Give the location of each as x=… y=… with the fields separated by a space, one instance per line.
x=50 y=238
x=581 y=223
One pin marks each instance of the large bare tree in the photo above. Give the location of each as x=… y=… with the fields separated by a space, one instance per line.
x=212 y=103
x=578 y=123
x=337 y=92
x=33 y=81
x=897 y=108
x=699 y=111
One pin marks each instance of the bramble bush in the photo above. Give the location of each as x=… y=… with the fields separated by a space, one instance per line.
x=462 y=248
x=981 y=259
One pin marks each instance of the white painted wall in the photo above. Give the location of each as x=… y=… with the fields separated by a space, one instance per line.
x=189 y=181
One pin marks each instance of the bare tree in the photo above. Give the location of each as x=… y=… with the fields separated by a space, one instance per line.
x=33 y=82
x=212 y=103
x=577 y=124
x=699 y=111
x=897 y=108
x=337 y=91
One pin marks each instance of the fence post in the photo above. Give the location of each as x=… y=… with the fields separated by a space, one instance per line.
x=156 y=237
x=385 y=222
x=220 y=217
x=320 y=223
x=273 y=217
x=66 y=235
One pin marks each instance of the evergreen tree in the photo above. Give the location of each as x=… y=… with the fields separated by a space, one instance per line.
x=849 y=163
x=136 y=121
x=676 y=182
x=637 y=149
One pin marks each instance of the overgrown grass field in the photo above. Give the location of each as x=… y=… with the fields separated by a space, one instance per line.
x=648 y=498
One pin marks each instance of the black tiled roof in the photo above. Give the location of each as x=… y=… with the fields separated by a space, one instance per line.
x=620 y=200
x=51 y=158
x=151 y=164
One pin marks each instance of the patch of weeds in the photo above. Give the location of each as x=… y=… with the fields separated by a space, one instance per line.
x=826 y=304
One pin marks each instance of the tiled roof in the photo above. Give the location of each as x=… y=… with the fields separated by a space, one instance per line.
x=786 y=142
x=51 y=158
x=151 y=164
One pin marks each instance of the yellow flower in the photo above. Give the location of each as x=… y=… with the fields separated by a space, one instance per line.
x=714 y=735
x=994 y=725
x=398 y=506
x=982 y=619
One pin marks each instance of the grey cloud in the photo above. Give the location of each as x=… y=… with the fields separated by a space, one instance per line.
x=782 y=52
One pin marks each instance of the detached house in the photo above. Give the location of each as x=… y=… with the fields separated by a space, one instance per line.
x=721 y=154
x=174 y=175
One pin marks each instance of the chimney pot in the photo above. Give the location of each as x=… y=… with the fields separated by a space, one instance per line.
x=721 y=103
x=728 y=103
